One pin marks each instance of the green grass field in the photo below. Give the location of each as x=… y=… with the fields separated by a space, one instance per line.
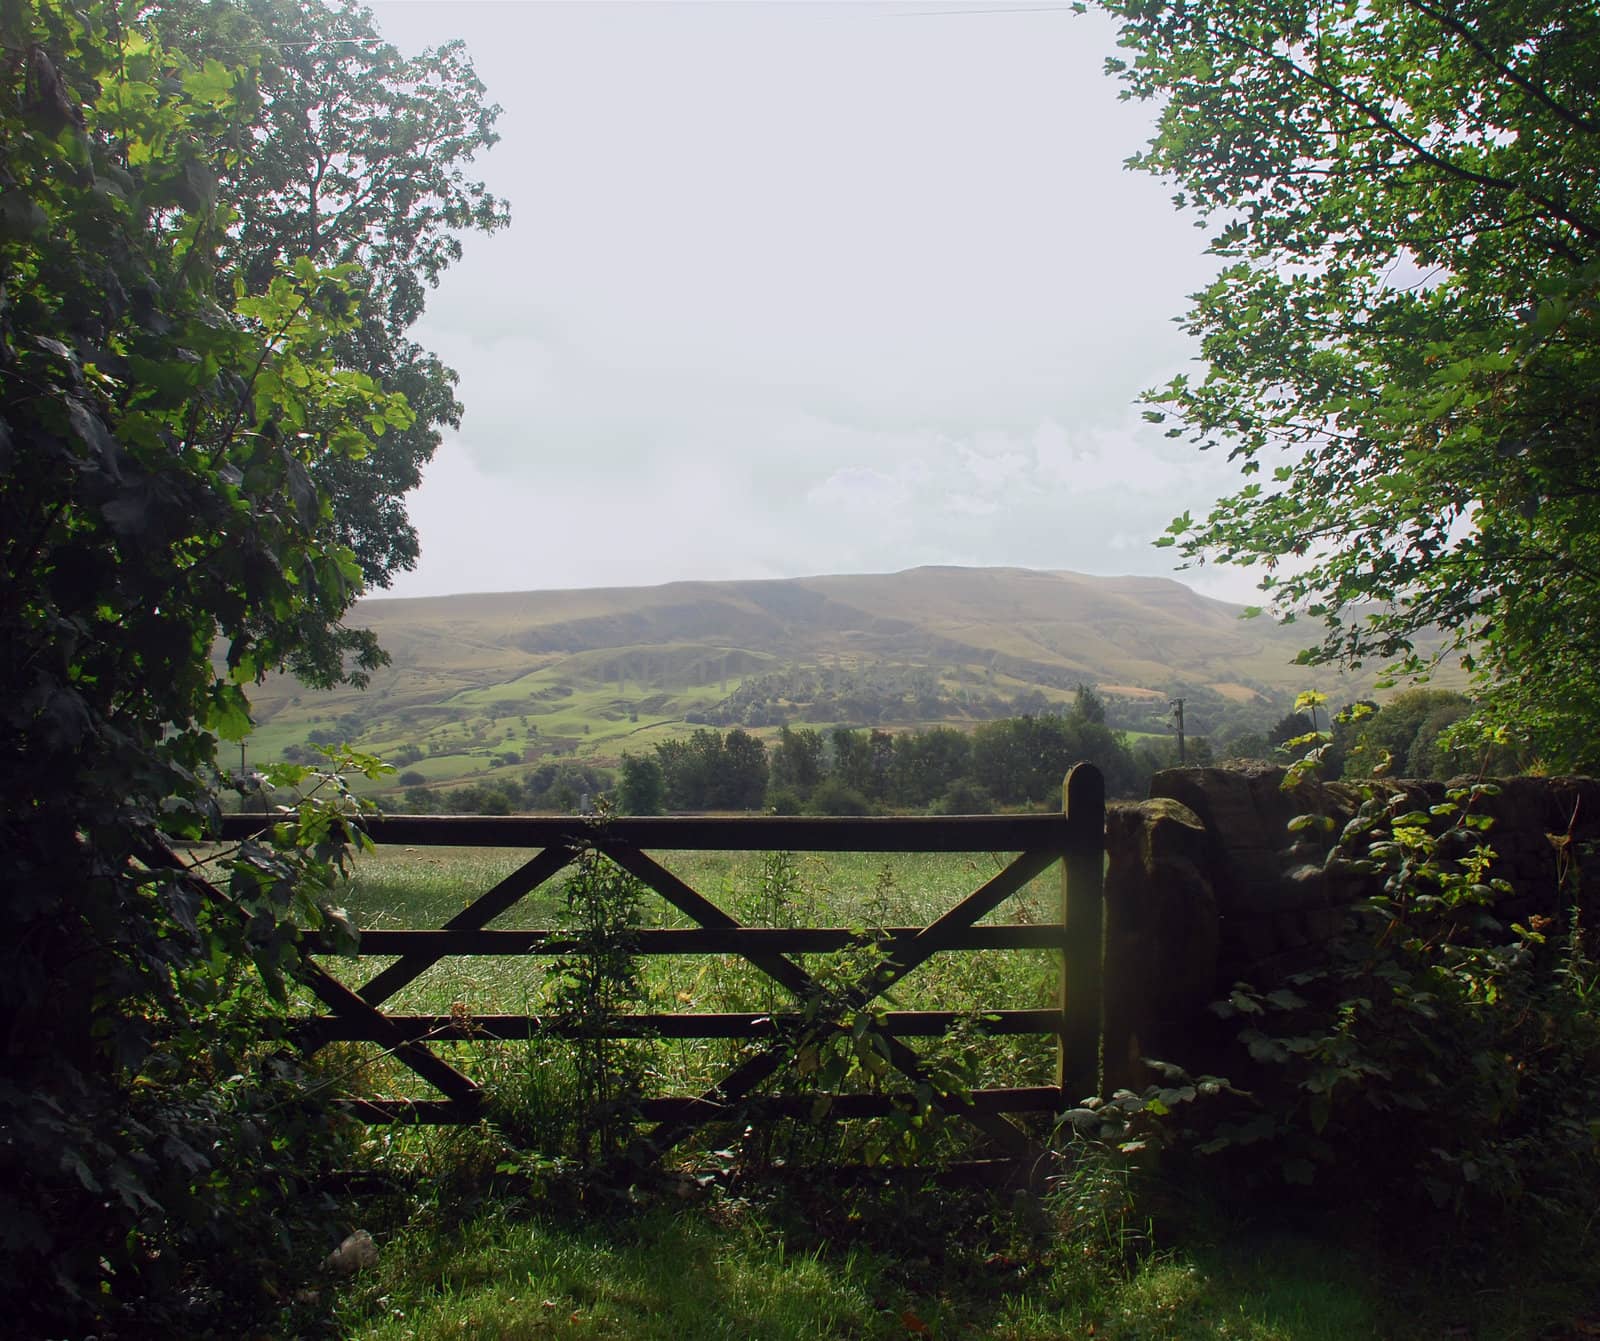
x=739 y=1271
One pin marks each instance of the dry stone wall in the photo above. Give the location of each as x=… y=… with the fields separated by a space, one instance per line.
x=1206 y=886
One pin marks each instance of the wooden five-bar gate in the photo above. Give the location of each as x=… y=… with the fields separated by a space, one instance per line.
x=1074 y=839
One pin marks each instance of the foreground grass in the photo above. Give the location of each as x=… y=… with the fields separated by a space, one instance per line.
x=935 y=1267
x=692 y=1274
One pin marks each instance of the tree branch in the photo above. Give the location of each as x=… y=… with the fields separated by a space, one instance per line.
x=1382 y=122
x=1528 y=86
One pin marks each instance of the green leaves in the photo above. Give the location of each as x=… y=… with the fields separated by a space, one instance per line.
x=356 y=163
x=178 y=392
x=1407 y=331
x=1428 y=1045
x=228 y=712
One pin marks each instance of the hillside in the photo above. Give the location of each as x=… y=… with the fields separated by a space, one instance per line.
x=485 y=682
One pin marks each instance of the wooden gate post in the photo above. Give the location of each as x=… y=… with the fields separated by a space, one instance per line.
x=1079 y=1070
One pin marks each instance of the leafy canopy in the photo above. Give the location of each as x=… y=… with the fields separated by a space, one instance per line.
x=357 y=158
x=1401 y=345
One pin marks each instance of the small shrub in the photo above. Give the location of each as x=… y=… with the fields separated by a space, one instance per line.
x=833 y=797
x=590 y=988
x=964 y=798
x=783 y=801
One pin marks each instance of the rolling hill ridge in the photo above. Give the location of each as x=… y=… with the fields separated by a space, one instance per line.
x=490 y=681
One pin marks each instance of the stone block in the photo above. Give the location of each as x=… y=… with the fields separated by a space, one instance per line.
x=1161 y=929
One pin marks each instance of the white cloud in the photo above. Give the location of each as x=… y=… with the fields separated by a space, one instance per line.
x=859 y=489
x=797 y=289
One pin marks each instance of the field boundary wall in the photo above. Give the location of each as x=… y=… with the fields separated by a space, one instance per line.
x=1206 y=886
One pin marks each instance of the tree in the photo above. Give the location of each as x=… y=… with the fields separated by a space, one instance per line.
x=164 y=458
x=1403 y=737
x=641 y=788
x=689 y=768
x=357 y=160
x=1020 y=759
x=1290 y=735
x=862 y=760
x=742 y=772
x=712 y=772
x=1246 y=745
x=1088 y=737
x=561 y=786
x=1432 y=755
x=795 y=763
x=1403 y=337
x=850 y=758
x=1088 y=706
x=928 y=763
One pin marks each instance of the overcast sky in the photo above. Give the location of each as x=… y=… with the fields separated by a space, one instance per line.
x=805 y=288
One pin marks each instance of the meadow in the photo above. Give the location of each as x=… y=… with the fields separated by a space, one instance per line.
x=419 y=888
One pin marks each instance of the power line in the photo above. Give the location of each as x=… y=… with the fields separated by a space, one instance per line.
x=336 y=42
x=990 y=9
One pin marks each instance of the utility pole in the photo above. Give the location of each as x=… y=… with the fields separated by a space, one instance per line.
x=244 y=798
x=1177 y=717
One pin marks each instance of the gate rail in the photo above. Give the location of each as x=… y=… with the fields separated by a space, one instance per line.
x=1075 y=839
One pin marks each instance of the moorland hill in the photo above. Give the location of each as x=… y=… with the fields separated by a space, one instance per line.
x=487 y=681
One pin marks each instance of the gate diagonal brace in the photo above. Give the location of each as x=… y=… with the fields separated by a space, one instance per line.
x=474 y=917
x=416 y=1056
x=364 y=1004
x=342 y=1001
x=738 y=1083
x=692 y=903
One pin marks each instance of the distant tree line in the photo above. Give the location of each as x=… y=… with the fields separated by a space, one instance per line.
x=1015 y=761
x=567 y=787
x=845 y=770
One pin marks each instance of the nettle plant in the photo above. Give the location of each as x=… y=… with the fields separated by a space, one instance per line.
x=591 y=988
x=843 y=1046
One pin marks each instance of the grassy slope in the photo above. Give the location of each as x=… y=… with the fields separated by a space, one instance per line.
x=594 y=672
x=727 y=1268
